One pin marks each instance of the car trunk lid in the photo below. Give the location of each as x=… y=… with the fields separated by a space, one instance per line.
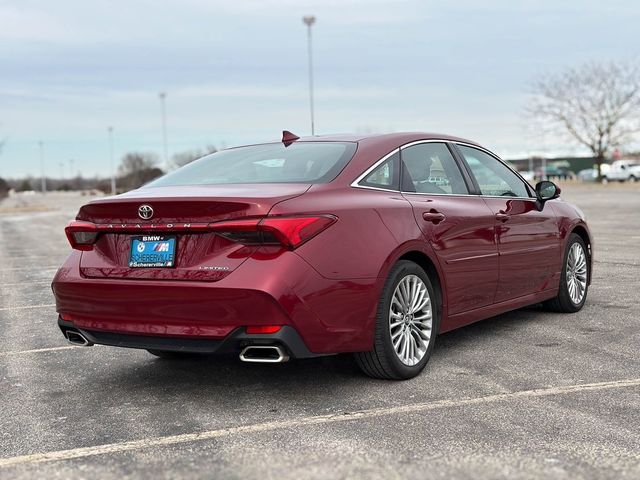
x=183 y=213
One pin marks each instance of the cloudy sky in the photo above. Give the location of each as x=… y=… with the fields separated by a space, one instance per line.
x=235 y=71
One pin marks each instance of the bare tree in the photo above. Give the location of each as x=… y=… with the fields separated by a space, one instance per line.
x=183 y=158
x=4 y=188
x=138 y=168
x=597 y=105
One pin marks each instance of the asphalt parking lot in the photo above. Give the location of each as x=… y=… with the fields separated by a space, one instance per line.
x=528 y=394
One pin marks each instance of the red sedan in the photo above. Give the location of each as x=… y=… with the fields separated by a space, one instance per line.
x=322 y=245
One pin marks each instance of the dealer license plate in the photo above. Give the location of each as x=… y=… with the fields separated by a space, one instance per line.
x=153 y=251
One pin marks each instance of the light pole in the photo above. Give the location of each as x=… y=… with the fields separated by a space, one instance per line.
x=163 y=96
x=111 y=166
x=309 y=20
x=43 y=179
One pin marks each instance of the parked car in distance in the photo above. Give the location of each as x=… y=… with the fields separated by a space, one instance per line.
x=363 y=244
x=623 y=171
x=553 y=171
x=588 y=175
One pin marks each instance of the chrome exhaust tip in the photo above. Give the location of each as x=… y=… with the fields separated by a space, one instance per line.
x=76 y=338
x=263 y=354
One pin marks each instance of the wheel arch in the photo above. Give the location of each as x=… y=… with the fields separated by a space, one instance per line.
x=423 y=260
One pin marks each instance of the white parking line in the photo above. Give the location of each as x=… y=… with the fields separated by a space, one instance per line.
x=306 y=421
x=26 y=283
x=37 y=268
x=37 y=350
x=24 y=307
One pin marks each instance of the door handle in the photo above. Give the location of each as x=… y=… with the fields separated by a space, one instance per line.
x=502 y=216
x=433 y=217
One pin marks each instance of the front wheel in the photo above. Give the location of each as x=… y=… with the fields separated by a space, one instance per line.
x=574 y=279
x=406 y=325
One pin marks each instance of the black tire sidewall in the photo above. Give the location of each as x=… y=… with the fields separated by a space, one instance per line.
x=401 y=270
x=564 y=296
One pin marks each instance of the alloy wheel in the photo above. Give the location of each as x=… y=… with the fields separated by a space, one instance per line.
x=576 y=273
x=410 y=320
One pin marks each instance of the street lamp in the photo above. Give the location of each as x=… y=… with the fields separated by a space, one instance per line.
x=163 y=97
x=111 y=166
x=43 y=179
x=309 y=20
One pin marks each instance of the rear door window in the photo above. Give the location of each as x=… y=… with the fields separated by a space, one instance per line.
x=430 y=168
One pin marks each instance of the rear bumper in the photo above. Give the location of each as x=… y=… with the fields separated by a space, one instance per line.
x=233 y=343
x=329 y=316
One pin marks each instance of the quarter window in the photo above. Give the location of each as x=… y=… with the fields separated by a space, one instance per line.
x=385 y=175
x=494 y=178
x=430 y=168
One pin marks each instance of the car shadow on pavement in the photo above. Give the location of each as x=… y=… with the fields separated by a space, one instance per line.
x=200 y=374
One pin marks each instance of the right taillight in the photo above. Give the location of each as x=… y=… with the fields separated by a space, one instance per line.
x=289 y=231
x=81 y=235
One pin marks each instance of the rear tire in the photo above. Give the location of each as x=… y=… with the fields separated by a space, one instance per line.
x=169 y=355
x=575 y=271
x=405 y=332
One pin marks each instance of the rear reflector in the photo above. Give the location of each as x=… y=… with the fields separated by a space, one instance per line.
x=81 y=235
x=263 y=329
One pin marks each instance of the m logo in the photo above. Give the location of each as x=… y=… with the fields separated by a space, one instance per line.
x=145 y=212
x=162 y=247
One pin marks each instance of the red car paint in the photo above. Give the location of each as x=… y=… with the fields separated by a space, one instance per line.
x=487 y=255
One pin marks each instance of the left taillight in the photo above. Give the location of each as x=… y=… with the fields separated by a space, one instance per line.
x=81 y=235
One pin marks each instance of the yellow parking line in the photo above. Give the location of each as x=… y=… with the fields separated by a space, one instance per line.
x=307 y=421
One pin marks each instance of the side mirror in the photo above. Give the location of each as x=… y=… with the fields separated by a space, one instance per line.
x=546 y=190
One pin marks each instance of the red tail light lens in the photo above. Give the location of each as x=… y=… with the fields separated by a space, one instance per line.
x=81 y=235
x=288 y=231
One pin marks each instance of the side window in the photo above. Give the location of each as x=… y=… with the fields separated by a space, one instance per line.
x=493 y=177
x=385 y=175
x=430 y=168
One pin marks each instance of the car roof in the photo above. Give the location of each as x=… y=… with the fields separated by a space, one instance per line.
x=399 y=137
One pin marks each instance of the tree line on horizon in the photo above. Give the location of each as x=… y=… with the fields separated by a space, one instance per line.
x=596 y=106
x=135 y=170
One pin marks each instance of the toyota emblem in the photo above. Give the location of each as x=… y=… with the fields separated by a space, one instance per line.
x=145 y=212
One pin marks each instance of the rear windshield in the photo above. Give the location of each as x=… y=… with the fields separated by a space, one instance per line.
x=303 y=162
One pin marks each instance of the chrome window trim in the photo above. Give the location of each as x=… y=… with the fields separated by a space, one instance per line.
x=418 y=142
x=442 y=194
x=356 y=182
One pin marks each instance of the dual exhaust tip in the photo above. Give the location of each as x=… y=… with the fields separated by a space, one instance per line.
x=252 y=353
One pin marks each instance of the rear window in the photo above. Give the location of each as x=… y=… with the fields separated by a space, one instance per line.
x=303 y=162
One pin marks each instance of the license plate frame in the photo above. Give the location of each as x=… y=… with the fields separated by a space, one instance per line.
x=153 y=251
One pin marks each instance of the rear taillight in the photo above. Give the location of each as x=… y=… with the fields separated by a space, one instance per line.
x=81 y=235
x=290 y=232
